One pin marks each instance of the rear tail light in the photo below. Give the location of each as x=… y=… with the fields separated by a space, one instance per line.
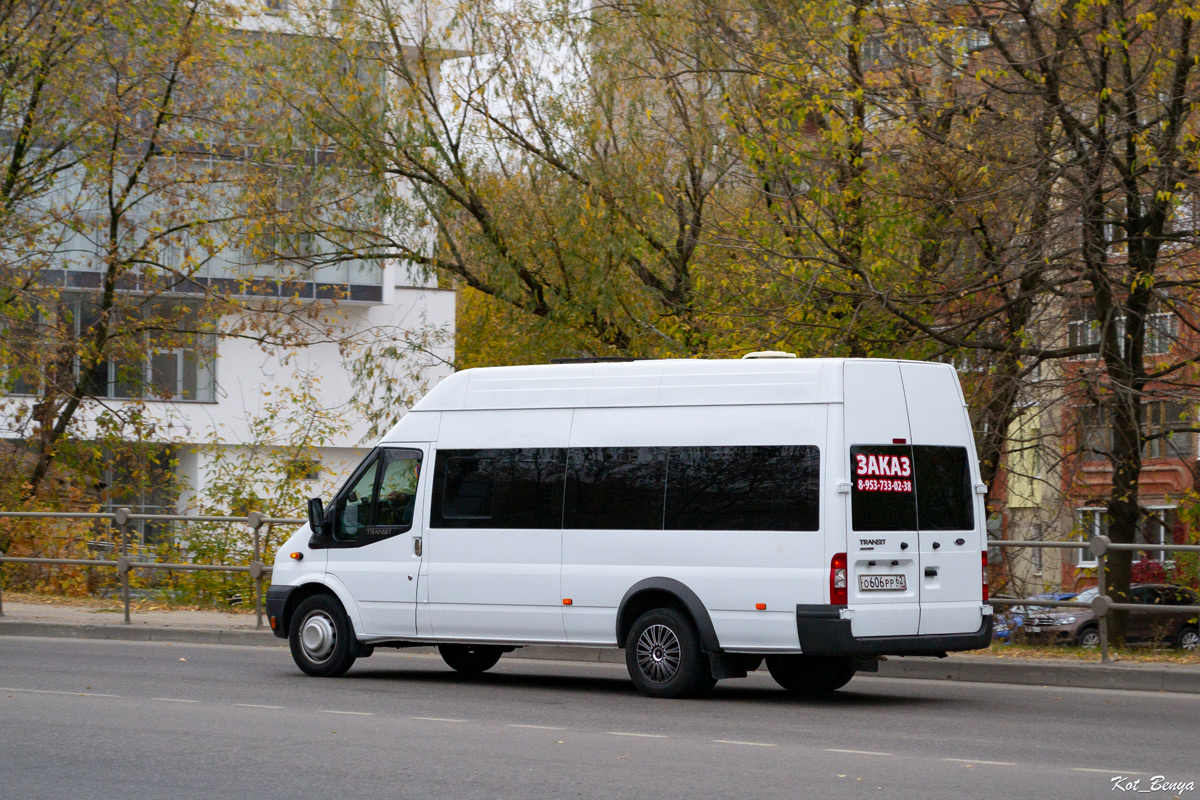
x=837 y=580
x=985 y=580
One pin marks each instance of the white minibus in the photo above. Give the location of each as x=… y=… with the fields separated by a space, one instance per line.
x=704 y=515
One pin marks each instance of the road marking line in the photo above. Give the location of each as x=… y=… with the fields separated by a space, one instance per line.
x=254 y=705
x=174 y=700
x=348 y=713
x=538 y=727
x=51 y=691
x=748 y=744
x=856 y=752
x=980 y=761
x=438 y=719
x=1108 y=771
x=639 y=735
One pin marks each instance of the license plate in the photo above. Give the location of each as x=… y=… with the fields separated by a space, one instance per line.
x=882 y=583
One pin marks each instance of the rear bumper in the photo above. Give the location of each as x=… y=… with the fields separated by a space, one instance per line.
x=823 y=632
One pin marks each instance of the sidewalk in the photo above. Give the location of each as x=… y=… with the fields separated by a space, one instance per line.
x=215 y=627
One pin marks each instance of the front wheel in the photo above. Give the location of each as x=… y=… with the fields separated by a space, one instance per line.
x=1088 y=638
x=811 y=675
x=321 y=637
x=1189 y=639
x=470 y=659
x=664 y=657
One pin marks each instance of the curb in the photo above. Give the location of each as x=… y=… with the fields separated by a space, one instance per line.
x=1182 y=680
x=140 y=633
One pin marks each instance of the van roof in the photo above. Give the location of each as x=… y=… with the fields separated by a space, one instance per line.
x=665 y=382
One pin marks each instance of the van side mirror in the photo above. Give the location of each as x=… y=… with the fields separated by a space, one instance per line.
x=316 y=517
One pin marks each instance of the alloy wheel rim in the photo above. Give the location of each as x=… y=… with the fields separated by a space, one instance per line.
x=318 y=636
x=659 y=653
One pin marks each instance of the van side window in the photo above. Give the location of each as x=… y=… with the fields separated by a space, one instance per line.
x=514 y=488
x=621 y=488
x=768 y=488
x=380 y=501
x=354 y=511
x=398 y=488
x=744 y=488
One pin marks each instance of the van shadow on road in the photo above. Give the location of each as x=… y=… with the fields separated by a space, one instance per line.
x=856 y=695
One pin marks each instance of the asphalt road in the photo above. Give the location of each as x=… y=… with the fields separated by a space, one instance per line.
x=102 y=719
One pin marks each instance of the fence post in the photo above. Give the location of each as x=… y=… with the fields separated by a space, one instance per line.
x=121 y=517
x=1 y=586
x=255 y=520
x=1099 y=545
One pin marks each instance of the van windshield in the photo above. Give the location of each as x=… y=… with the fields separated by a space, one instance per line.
x=910 y=487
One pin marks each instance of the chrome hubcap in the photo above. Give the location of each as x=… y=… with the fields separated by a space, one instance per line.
x=658 y=653
x=318 y=636
x=1190 y=641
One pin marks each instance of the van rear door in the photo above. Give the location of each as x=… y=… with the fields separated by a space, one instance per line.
x=950 y=515
x=882 y=554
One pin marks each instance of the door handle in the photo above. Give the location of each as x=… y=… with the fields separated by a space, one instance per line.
x=416 y=545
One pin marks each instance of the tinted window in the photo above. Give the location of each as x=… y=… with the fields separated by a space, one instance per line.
x=1180 y=597
x=743 y=488
x=944 y=499
x=516 y=488
x=616 y=487
x=903 y=487
x=882 y=489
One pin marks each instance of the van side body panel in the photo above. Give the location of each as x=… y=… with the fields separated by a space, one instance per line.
x=730 y=571
x=485 y=584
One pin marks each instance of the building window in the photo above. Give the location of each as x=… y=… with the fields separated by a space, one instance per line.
x=1161 y=525
x=156 y=352
x=303 y=469
x=1089 y=522
x=1083 y=330
x=142 y=478
x=1165 y=423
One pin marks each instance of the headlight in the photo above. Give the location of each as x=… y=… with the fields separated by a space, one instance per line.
x=1062 y=621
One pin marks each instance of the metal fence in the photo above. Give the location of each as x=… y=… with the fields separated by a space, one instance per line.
x=1102 y=604
x=124 y=518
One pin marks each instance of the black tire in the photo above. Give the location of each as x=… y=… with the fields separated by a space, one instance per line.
x=811 y=675
x=321 y=637
x=470 y=659
x=664 y=657
x=1088 y=638
x=1188 y=639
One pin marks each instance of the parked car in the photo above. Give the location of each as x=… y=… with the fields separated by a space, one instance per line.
x=1009 y=623
x=1079 y=626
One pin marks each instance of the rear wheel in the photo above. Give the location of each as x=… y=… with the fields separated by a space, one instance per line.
x=811 y=675
x=1088 y=638
x=1188 y=639
x=470 y=659
x=321 y=637
x=664 y=657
